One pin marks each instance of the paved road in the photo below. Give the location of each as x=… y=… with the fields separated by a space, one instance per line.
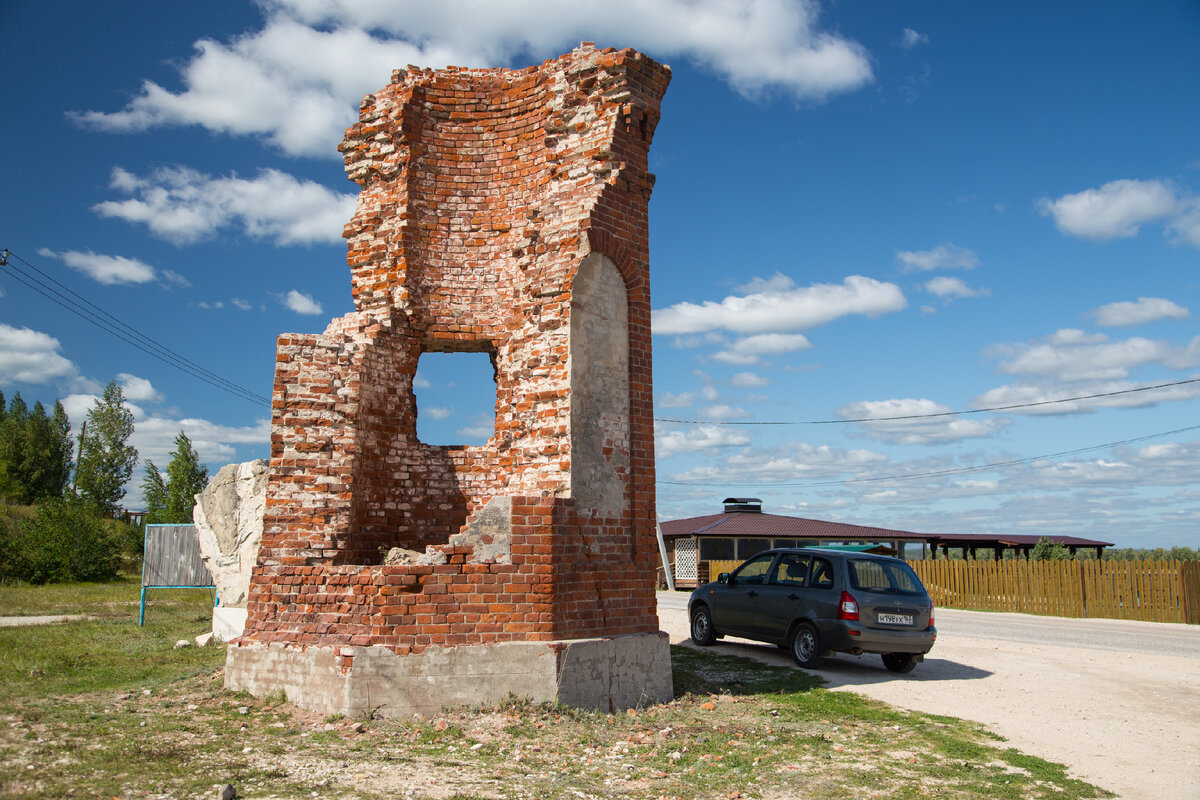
x=1113 y=635
x=1117 y=701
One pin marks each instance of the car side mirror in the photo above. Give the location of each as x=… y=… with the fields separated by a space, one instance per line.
x=724 y=578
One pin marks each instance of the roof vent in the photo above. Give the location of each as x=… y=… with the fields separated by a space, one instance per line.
x=750 y=505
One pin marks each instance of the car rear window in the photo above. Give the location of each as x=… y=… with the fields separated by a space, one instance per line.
x=886 y=577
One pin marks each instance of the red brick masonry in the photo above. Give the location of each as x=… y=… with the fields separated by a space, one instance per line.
x=482 y=192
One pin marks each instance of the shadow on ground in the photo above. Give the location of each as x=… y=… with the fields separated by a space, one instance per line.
x=844 y=670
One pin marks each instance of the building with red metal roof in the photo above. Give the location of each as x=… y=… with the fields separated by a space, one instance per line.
x=698 y=548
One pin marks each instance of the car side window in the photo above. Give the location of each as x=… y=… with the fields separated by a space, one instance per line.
x=822 y=574
x=755 y=570
x=791 y=570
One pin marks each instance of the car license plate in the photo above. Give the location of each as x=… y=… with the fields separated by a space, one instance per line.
x=896 y=619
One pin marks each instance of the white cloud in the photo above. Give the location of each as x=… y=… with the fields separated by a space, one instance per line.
x=29 y=356
x=794 y=461
x=421 y=382
x=175 y=279
x=777 y=283
x=924 y=430
x=240 y=304
x=1186 y=226
x=108 y=270
x=952 y=288
x=748 y=380
x=1074 y=336
x=154 y=437
x=1116 y=210
x=484 y=427
x=297 y=82
x=721 y=412
x=1146 y=309
x=301 y=303
x=1071 y=355
x=291 y=84
x=910 y=39
x=698 y=439
x=944 y=256
x=783 y=307
x=750 y=349
x=138 y=389
x=675 y=400
x=182 y=205
x=438 y=412
x=1052 y=475
x=1173 y=461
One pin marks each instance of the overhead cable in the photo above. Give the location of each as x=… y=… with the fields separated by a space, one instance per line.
x=900 y=417
x=93 y=314
x=942 y=472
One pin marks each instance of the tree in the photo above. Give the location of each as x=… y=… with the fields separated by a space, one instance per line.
x=35 y=451
x=12 y=434
x=186 y=478
x=154 y=495
x=106 y=459
x=1047 y=549
x=60 y=452
x=172 y=501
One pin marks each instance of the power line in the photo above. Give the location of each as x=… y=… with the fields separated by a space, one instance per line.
x=990 y=409
x=93 y=314
x=941 y=472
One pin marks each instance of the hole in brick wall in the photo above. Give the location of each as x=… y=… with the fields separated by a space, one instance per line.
x=456 y=398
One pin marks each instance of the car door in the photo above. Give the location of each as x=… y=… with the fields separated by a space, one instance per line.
x=735 y=611
x=820 y=598
x=782 y=595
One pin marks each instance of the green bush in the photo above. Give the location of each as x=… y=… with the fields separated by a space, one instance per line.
x=65 y=541
x=1047 y=549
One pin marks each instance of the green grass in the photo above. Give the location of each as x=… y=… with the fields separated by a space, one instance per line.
x=108 y=654
x=116 y=599
x=107 y=709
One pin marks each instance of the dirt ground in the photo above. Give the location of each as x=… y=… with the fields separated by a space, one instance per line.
x=1125 y=721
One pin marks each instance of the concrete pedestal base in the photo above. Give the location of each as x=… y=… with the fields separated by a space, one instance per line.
x=608 y=674
x=228 y=623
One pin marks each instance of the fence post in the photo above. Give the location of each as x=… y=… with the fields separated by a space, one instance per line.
x=1083 y=598
x=1189 y=574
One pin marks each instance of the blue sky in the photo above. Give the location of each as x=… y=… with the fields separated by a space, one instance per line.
x=863 y=210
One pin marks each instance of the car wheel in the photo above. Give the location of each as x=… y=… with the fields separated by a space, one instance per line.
x=806 y=646
x=902 y=663
x=702 y=627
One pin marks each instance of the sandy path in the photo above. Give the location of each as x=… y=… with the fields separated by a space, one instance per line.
x=1128 y=722
x=44 y=619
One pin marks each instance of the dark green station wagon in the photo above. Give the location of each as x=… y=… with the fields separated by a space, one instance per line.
x=816 y=602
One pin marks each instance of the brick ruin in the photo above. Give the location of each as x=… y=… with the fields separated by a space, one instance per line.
x=504 y=212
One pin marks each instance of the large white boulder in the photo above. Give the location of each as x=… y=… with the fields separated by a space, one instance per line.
x=229 y=519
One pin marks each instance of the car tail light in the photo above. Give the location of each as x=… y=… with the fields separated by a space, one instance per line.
x=931 y=615
x=847 y=607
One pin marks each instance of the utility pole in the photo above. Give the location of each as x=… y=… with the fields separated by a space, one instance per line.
x=82 y=433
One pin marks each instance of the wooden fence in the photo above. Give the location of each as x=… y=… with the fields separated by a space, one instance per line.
x=1155 y=591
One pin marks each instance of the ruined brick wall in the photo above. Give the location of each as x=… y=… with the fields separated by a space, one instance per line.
x=501 y=211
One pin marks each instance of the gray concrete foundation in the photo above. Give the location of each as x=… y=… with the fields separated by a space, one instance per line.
x=608 y=674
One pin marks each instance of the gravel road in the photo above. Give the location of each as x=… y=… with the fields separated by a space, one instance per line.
x=1117 y=701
